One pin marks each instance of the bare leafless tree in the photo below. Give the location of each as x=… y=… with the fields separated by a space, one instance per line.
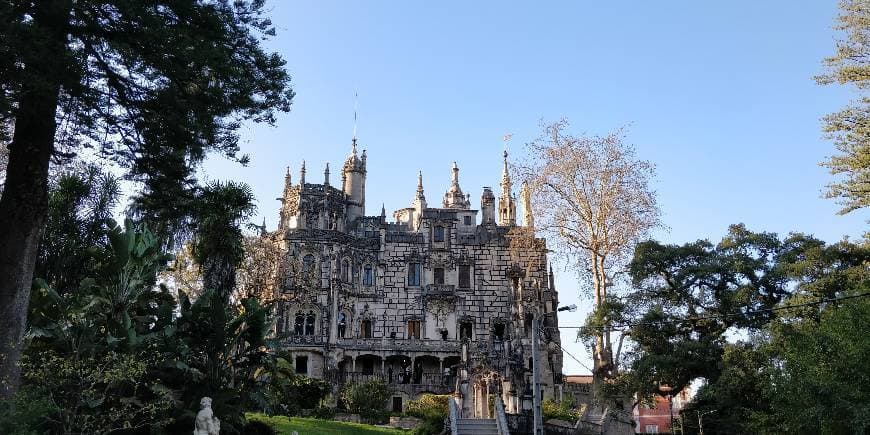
x=592 y=198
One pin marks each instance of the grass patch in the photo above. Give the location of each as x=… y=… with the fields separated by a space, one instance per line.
x=312 y=426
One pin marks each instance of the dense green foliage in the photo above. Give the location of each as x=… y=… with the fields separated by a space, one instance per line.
x=116 y=351
x=850 y=127
x=287 y=393
x=802 y=368
x=154 y=86
x=368 y=399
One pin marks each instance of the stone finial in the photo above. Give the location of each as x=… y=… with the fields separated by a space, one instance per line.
x=326 y=175
x=454 y=198
x=302 y=174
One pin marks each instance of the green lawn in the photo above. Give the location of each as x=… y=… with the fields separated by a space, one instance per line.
x=313 y=426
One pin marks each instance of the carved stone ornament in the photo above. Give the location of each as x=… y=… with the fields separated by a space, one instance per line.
x=206 y=423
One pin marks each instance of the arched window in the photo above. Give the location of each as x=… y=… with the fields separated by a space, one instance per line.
x=345 y=270
x=309 y=323
x=368 y=275
x=299 y=324
x=308 y=264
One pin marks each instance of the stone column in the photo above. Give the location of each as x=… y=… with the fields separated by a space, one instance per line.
x=333 y=292
x=353 y=363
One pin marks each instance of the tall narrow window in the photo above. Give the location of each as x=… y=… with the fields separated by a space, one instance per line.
x=464 y=276
x=414 y=274
x=299 y=324
x=467 y=220
x=345 y=270
x=438 y=275
x=309 y=323
x=365 y=329
x=414 y=329
x=438 y=234
x=342 y=324
x=368 y=275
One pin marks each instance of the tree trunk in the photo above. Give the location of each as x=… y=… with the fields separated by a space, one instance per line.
x=24 y=204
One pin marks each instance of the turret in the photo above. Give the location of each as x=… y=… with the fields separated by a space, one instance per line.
x=526 y=203
x=507 y=209
x=354 y=183
x=487 y=207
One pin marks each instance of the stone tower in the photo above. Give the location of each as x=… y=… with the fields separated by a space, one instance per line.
x=526 y=203
x=354 y=184
x=507 y=208
x=487 y=207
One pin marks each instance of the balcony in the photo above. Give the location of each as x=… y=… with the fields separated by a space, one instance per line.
x=440 y=291
x=399 y=344
x=302 y=340
x=411 y=384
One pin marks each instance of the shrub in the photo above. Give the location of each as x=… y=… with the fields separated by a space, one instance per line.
x=433 y=409
x=559 y=411
x=323 y=413
x=256 y=427
x=368 y=399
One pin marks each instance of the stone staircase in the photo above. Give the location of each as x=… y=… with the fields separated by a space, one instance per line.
x=476 y=426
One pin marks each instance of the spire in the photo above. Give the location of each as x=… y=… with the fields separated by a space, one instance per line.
x=288 y=180
x=326 y=175
x=505 y=174
x=263 y=227
x=420 y=186
x=383 y=211
x=454 y=198
x=507 y=213
x=302 y=175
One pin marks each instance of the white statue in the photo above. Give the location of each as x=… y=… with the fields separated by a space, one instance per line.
x=206 y=423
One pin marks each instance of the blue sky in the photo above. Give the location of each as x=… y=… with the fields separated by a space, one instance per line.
x=719 y=95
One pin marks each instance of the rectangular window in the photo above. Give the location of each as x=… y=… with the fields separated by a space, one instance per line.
x=397 y=404
x=368 y=275
x=438 y=234
x=302 y=365
x=365 y=329
x=414 y=271
x=438 y=275
x=464 y=276
x=467 y=220
x=414 y=329
x=465 y=330
x=652 y=428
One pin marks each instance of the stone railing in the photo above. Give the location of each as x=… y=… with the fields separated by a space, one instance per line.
x=455 y=415
x=501 y=418
x=410 y=384
x=398 y=344
x=302 y=340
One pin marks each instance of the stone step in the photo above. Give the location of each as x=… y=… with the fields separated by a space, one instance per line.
x=476 y=426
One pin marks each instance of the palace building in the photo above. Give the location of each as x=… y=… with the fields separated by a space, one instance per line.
x=438 y=299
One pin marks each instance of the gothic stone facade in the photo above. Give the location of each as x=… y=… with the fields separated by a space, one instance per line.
x=437 y=300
